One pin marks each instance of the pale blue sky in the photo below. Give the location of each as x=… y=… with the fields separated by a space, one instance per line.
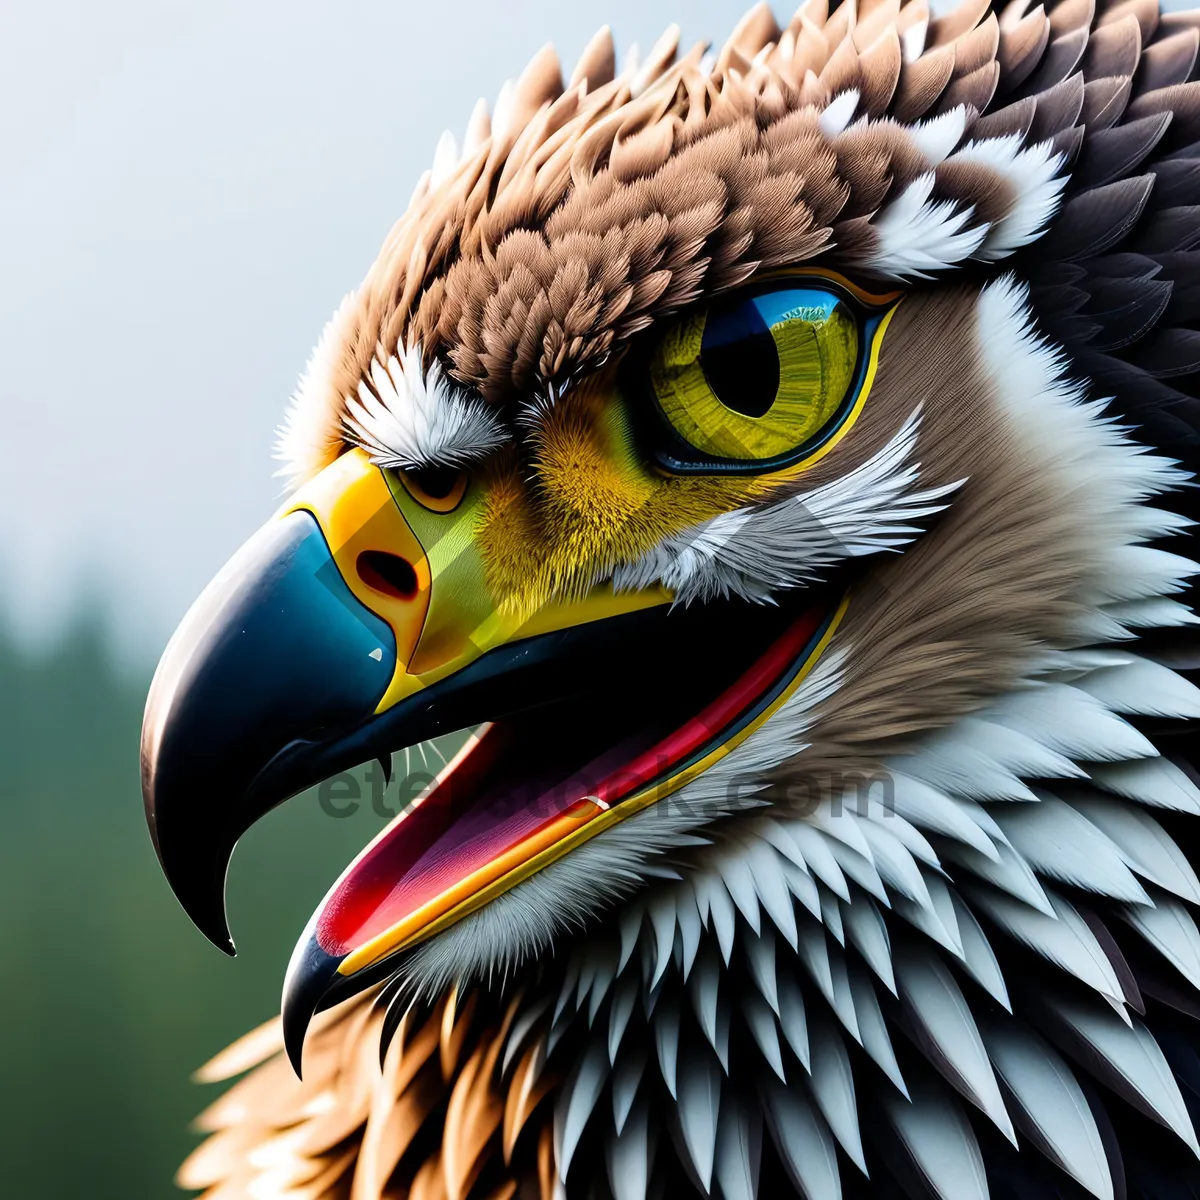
x=188 y=190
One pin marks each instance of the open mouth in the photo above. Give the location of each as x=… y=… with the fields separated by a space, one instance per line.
x=529 y=787
x=282 y=676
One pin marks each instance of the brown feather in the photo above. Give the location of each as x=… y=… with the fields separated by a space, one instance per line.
x=530 y=1084
x=1014 y=118
x=921 y=83
x=975 y=90
x=1104 y=101
x=1145 y=11
x=1097 y=220
x=1058 y=108
x=1072 y=14
x=473 y=1115
x=879 y=68
x=356 y=1131
x=1114 y=153
x=1023 y=41
x=1062 y=57
x=598 y=63
x=1114 y=49
x=1181 y=101
x=1170 y=60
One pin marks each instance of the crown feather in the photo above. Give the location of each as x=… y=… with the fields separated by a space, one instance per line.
x=583 y=212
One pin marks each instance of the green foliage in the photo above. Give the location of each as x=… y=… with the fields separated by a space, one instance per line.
x=109 y=998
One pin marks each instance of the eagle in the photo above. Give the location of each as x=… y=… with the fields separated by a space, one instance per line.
x=775 y=463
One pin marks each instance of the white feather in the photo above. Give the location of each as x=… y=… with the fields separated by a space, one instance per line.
x=929 y=809
x=832 y=1086
x=978 y=957
x=1050 y=1107
x=739 y=1149
x=1015 y=752
x=624 y=998
x=1059 y=842
x=626 y=1077
x=842 y=1001
x=704 y=989
x=938 y=1137
x=479 y=128
x=1153 y=781
x=814 y=957
x=806 y=1149
x=938 y=136
x=912 y=40
x=666 y=1044
x=761 y=1022
x=760 y=955
x=445 y=159
x=1010 y=873
x=1144 y=688
x=1063 y=939
x=916 y=236
x=628 y=1158
x=575 y=1103
x=1146 y=847
x=409 y=417
x=1128 y=1058
x=770 y=885
x=1170 y=929
x=867 y=932
x=941 y=1021
x=753 y=552
x=838 y=113
x=699 y=1103
x=305 y=443
x=873 y=1031
x=793 y=1020
x=1033 y=175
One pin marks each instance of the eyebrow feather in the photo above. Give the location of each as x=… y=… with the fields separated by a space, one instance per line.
x=407 y=417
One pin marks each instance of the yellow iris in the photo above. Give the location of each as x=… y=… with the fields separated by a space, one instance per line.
x=756 y=380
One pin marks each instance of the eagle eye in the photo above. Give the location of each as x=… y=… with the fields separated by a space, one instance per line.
x=760 y=379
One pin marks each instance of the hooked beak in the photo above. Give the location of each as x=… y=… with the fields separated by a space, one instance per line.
x=276 y=653
x=358 y=622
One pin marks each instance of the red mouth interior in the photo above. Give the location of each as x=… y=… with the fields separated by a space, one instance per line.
x=523 y=772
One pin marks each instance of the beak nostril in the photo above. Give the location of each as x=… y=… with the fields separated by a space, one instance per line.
x=388 y=573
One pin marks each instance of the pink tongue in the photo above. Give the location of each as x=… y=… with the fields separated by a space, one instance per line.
x=451 y=833
x=486 y=802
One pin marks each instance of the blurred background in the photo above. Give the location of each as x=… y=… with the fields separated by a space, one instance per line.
x=186 y=192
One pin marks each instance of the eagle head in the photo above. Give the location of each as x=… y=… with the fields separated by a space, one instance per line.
x=767 y=459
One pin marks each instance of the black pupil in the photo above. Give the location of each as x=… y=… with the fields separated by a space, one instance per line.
x=436 y=482
x=739 y=358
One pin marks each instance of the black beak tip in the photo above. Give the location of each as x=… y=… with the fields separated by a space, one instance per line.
x=209 y=918
x=205 y=905
x=222 y=940
x=310 y=975
x=195 y=870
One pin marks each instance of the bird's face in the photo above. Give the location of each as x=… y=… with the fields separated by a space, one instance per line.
x=685 y=443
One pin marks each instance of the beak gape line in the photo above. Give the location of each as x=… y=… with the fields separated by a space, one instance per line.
x=356 y=623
